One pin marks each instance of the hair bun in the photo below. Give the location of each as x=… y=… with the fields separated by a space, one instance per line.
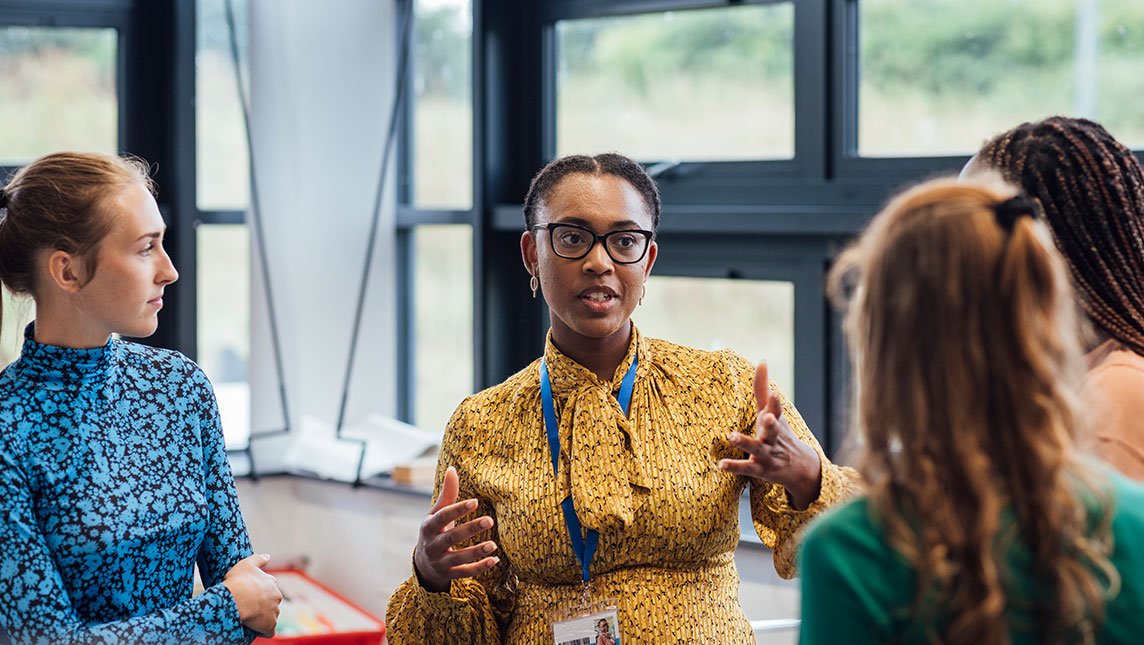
x=1012 y=209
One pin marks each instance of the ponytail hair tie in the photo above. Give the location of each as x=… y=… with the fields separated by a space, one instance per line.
x=1012 y=209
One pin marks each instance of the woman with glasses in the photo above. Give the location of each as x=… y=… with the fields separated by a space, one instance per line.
x=603 y=480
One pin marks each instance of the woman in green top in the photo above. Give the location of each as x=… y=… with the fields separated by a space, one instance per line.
x=982 y=522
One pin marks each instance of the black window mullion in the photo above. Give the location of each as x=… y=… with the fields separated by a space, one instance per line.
x=811 y=87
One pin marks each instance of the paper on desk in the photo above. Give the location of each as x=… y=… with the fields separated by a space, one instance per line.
x=388 y=443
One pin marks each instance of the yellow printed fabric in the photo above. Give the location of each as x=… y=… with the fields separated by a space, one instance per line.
x=649 y=483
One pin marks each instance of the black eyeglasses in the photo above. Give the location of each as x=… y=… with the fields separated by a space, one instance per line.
x=573 y=242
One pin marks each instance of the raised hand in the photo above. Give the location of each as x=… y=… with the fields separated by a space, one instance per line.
x=256 y=594
x=435 y=559
x=775 y=453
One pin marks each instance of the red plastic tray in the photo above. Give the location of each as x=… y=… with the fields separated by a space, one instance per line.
x=359 y=636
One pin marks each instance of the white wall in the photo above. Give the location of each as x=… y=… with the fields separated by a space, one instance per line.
x=359 y=541
x=322 y=76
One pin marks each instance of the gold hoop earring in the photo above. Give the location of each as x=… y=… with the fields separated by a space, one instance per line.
x=643 y=293
x=534 y=284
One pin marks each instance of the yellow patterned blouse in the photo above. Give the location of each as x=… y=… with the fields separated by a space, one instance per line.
x=667 y=515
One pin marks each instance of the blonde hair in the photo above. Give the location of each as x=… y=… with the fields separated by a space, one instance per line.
x=57 y=202
x=967 y=364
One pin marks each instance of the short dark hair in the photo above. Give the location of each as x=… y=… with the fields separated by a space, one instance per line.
x=608 y=163
x=1091 y=190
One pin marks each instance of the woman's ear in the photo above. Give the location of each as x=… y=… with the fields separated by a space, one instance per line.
x=528 y=252
x=66 y=271
x=651 y=253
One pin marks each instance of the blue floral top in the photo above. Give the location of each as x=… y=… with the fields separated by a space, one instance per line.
x=114 y=482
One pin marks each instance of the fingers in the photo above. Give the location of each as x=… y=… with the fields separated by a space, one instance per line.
x=764 y=399
x=764 y=451
x=449 y=488
x=742 y=467
x=441 y=544
x=767 y=428
x=462 y=533
x=435 y=559
x=475 y=569
x=267 y=624
x=440 y=521
x=762 y=387
x=266 y=627
x=452 y=560
x=258 y=559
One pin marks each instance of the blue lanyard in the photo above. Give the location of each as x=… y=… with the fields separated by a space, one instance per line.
x=583 y=547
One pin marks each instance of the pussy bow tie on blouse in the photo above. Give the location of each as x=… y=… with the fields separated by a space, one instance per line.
x=601 y=458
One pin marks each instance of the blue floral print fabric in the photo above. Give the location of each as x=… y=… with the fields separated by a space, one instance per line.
x=114 y=482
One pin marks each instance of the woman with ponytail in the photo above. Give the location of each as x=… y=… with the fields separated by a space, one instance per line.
x=114 y=481
x=1091 y=192
x=981 y=524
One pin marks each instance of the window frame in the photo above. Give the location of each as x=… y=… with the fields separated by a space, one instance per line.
x=692 y=181
x=97 y=14
x=793 y=215
x=762 y=220
x=152 y=42
x=189 y=159
x=844 y=148
x=800 y=261
x=409 y=217
x=850 y=165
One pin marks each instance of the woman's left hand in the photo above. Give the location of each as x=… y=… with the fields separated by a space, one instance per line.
x=775 y=453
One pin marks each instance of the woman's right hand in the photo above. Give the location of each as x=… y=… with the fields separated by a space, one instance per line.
x=436 y=561
x=256 y=594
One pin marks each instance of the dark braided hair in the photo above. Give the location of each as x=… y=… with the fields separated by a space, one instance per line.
x=1091 y=191
x=608 y=163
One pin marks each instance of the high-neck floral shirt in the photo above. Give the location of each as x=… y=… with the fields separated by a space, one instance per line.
x=667 y=516
x=114 y=483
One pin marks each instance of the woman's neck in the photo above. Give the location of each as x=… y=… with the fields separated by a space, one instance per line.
x=600 y=355
x=62 y=326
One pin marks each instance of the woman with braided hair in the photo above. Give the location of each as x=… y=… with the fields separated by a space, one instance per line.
x=982 y=523
x=1091 y=191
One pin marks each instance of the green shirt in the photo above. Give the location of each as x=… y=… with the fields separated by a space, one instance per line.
x=857 y=589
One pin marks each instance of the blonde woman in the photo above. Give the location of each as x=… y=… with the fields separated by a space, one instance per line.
x=982 y=523
x=114 y=481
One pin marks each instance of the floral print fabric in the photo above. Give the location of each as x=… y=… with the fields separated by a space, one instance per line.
x=114 y=482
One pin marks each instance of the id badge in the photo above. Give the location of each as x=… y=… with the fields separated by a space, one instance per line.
x=596 y=628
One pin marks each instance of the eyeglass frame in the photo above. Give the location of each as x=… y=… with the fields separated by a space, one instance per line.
x=649 y=236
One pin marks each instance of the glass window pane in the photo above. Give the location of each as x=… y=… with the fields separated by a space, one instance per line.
x=691 y=85
x=442 y=119
x=942 y=76
x=222 y=159
x=443 y=319
x=57 y=92
x=752 y=317
x=223 y=322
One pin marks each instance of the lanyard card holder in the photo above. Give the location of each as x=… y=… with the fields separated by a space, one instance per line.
x=595 y=623
x=586 y=621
